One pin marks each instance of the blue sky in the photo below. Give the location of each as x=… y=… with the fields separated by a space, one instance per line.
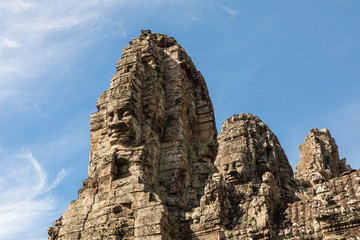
x=295 y=64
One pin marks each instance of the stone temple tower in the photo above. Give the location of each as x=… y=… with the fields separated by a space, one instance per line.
x=153 y=142
x=158 y=170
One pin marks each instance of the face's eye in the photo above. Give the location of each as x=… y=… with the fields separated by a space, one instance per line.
x=126 y=113
x=238 y=165
x=111 y=116
x=123 y=112
x=120 y=113
x=225 y=167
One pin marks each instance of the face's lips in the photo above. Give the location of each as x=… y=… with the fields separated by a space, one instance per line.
x=119 y=133
x=120 y=138
x=232 y=177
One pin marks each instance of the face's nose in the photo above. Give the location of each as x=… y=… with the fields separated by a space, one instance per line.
x=231 y=170
x=117 y=124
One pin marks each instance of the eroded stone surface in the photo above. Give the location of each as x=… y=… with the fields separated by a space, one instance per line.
x=319 y=158
x=247 y=150
x=256 y=181
x=156 y=171
x=332 y=212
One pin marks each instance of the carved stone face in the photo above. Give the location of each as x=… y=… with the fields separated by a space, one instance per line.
x=235 y=168
x=317 y=177
x=232 y=168
x=232 y=171
x=121 y=129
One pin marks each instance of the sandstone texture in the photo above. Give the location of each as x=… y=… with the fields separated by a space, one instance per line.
x=158 y=170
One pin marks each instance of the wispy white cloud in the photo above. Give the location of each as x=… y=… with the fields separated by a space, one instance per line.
x=29 y=187
x=38 y=35
x=229 y=10
x=25 y=193
x=8 y=43
x=59 y=177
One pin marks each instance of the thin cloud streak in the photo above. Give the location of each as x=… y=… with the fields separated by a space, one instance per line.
x=15 y=6
x=229 y=11
x=60 y=176
x=24 y=193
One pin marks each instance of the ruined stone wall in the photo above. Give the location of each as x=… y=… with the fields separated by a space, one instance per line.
x=332 y=211
x=319 y=154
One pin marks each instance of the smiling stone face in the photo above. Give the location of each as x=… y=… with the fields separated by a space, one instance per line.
x=235 y=168
x=233 y=171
